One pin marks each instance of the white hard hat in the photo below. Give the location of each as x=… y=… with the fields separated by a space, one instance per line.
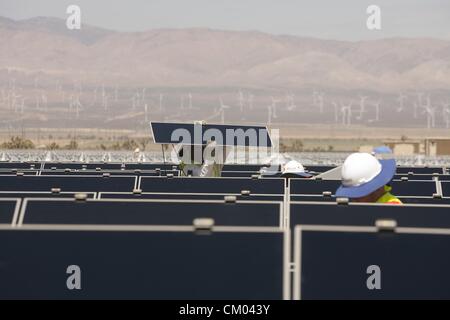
x=295 y=167
x=363 y=173
x=359 y=168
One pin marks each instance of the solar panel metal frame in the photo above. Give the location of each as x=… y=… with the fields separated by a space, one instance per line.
x=79 y=165
x=12 y=172
x=49 y=193
x=116 y=173
x=419 y=169
x=136 y=179
x=20 y=219
x=286 y=259
x=259 y=197
x=20 y=165
x=139 y=186
x=328 y=203
x=337 y=183
x=158 y=139
x=404 y=199
x=326 y=228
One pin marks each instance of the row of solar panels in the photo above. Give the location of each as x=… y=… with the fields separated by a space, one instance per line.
x=158 y=172
x=268 y=186
x=214 y=250
x=269 y=213
x=246 y=168
x=259 y=245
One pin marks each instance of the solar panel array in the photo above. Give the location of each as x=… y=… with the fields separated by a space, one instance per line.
x=146 y=231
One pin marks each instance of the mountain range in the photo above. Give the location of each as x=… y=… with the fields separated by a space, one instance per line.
x=43 y=47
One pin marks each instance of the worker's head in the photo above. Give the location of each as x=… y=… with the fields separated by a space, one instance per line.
x=294 y=169
x=364 y=177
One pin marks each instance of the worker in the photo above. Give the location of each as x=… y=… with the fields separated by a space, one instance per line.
x=366 y=178
x=294 y=169
x=210 y=165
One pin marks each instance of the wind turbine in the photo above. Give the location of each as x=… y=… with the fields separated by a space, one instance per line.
x=290 y=104
x=138 y=99
x=415 y=109
x=146 y=112
x=143 y=94
x=362 y=106
x=37 y=100
x=240 y=98
x=14 y=98
x=446 y=113
x=346 y=111
x=430 y=111
x=336 y=112
x=269 y=114
x=274 y=107
x=401 y=100
x=95 y=97
x=222 y=109
x=377 y=110
x=133 y=102
x=181 y=102
x=250 y=100
x=318 y=100
x=44 y=100
x=161 y=97
x=22 y=105
x=78 y=106
x=105 y=99
x=190 y=100
x=71 y=102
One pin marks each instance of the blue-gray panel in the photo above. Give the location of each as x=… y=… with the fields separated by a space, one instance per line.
x=81 y=165
x=178 y=196
x=13 y=172
x=162 y=134
x=68 y=183
x=313 y=197
x=238 y=174
x=413 y=266
x=7 y=208
x=366 y=215
x=150 y=213
x=151 y=173
x=20 y=165
x=413 y=188
x=427 y=200
x=242 y=167
x=445 y=188
x=141 y=265
x=307 y=186
x=212 y=185
x=151 y=166
x=419 y=170
x=442 y=177
x=40 y=195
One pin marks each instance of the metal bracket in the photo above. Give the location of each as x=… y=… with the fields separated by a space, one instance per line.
x=230 y=199
x=80 y=197
x=342 y=201
x=386 y=225
x=203 y=226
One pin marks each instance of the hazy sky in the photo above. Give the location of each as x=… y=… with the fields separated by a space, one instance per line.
x=332 y=19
